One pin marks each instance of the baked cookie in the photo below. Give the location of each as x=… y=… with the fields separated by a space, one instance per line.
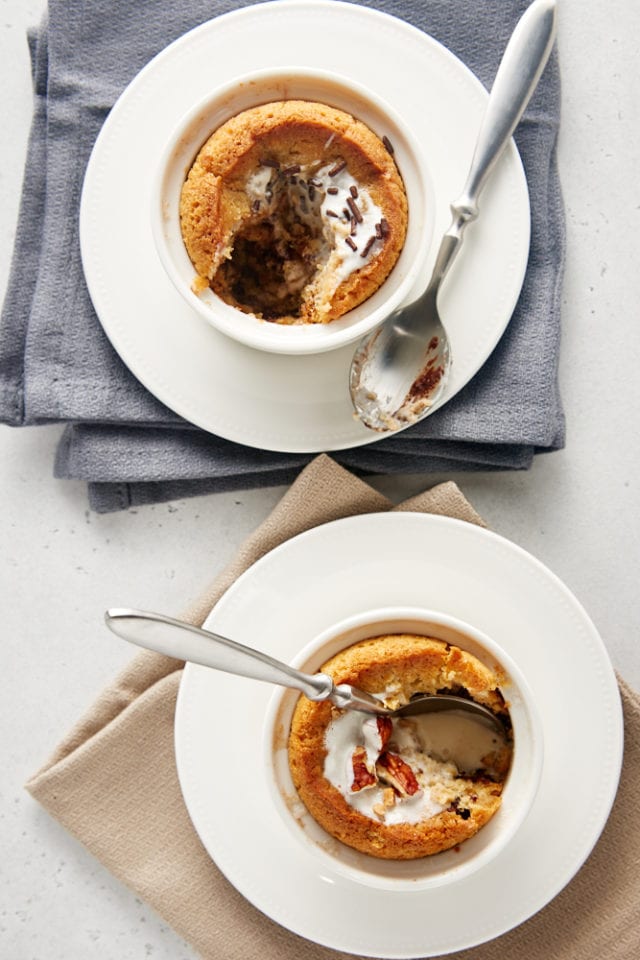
x=294 y=211
x=408 y=787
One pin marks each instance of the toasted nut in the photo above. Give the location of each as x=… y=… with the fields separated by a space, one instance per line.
x=362 y=776
x=385 y=729
x=393 y=770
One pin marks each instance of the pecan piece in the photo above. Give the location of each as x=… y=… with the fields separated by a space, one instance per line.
x=362 y=775
x=385 y=729
x=393 y=770
x=376 y=732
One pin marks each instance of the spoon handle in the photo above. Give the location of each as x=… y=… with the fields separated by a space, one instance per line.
x=520 y=69
x=174 y=638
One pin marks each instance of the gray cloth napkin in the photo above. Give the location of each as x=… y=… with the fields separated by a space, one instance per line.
x=56 y=363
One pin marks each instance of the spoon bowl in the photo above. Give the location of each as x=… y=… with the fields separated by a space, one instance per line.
x=399 y=372
x=437 y=702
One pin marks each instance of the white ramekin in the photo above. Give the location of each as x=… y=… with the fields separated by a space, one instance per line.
x=519 y=790
x=263 y=87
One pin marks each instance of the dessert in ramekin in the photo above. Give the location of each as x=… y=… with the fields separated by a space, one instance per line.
x=264 y=251
x=404 y=787
x=473 y=665
x=294 y=212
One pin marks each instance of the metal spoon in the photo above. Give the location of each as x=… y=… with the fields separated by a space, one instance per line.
x=399 y=372
x=174 y=638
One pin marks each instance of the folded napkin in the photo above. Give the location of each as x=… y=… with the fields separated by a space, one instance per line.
x=113 y=784
x=56 y=363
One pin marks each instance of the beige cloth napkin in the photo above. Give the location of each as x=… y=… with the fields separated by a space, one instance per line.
x=113 y=784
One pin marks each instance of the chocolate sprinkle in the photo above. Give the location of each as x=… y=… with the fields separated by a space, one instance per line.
x=332 y=191
x=270 y=163
x=331 y=213
x=353 y=206
x=384 y=227
x=294 y=168
x=336 y=168
x=353 y=190
x=312 y=192
x=350 y=242
x=388 y=144
x=378 y=232
x=354 y=226
x=370 y=242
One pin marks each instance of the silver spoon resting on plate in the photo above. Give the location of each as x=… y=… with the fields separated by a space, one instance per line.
x=399 y=372
x=175 y=638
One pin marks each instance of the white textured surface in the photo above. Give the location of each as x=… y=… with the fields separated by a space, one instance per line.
x=578 y=510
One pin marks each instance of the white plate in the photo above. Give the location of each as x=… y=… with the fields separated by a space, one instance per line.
x=284 y=403
x=300 y=589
